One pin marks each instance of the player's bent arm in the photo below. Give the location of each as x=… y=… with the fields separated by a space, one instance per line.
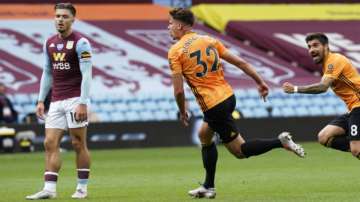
x=46 y=77
x=317 y=88
x=243 y=65
x=83 y=50
x=179 y=94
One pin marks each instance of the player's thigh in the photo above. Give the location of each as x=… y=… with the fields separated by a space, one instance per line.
x=55 y=117
x=70 y=107
x=330 y=131
x=206 y=134
x=336 y=127
x=220 y=120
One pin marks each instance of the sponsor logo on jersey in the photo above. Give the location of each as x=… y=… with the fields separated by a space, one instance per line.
x=69 y=44
x=59 y=57
x=52 y=45
x=61 y=65
x=60 y=46
x=85 y=55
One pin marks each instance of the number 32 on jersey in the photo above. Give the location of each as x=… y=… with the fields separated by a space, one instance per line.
x=205 y=62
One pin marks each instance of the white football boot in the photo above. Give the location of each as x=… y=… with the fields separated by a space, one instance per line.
x=43 y=194
x=79 y=194
x=202 y=192
x=289 y=144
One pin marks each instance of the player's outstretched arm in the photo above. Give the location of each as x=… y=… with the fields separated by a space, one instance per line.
x=315 y=88
x=249 y=70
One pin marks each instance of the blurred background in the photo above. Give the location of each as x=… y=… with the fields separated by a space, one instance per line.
x=132 y=98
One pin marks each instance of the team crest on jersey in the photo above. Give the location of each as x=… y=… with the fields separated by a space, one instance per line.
x=52 y=45
x=69 y=44
x=330 y=69
x=60 y=46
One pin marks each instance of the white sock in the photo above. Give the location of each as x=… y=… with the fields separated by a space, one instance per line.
x=50 y=186
x=82 y=184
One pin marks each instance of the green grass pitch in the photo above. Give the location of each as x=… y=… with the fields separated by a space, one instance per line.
x=166 y=174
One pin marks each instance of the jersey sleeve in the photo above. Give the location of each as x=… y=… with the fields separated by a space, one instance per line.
x=335 y=67
x=220 y=47
x=46 y=77
x=83 y=50
x=174 y=61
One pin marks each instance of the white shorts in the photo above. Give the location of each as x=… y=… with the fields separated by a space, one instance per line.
x=61 y=114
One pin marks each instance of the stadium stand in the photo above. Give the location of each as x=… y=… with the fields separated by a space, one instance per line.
x=132 y=81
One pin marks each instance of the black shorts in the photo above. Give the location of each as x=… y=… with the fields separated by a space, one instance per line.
x=220 y=119
x=350 y=123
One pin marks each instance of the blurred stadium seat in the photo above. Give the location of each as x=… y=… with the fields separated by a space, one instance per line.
x=120 y=94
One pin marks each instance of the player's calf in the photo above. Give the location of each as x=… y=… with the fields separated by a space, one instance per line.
x=340 y=143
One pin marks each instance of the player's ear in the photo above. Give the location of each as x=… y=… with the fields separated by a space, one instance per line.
x=327 y=47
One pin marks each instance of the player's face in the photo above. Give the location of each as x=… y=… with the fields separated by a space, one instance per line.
x=174 y=28
x=63 y=20
x=317 y=50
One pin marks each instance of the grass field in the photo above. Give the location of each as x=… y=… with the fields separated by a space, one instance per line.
x=166 y=174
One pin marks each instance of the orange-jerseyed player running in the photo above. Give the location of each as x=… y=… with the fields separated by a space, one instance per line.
x=342 y=133
x=196 y=58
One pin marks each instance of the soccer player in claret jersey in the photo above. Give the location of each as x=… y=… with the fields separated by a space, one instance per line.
x=67 y=70
x=342 y=133
x=196 y=58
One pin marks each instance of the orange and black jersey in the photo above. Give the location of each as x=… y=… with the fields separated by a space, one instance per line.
x=347 y=79
x=197 y=58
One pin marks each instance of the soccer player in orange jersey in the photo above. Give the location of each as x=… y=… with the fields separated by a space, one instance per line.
x=196 y=58
x=342 y=133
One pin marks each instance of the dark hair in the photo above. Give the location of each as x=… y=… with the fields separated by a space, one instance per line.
x=183 y=15
x=67 y=6
x=319 y=36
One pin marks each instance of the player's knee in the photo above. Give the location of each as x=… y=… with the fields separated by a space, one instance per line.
x=323 y=138
x=77 y=144
x=237 y=152
x=49 y=144
x=355 y=152
x=204 y=139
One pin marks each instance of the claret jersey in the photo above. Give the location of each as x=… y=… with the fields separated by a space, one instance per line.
x=64 y=56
